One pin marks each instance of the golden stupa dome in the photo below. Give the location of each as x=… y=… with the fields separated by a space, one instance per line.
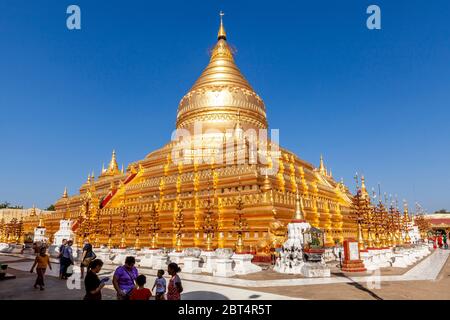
x=221 y=97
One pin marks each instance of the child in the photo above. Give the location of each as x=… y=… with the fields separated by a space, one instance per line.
x=160 y=284
x=140 y=293
x=175 y=288
x=42 y=261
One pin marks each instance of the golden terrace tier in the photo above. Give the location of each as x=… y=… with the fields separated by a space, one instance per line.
x=161 y=200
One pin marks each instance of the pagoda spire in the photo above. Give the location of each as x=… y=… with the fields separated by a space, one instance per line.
x=298 y=208
x=65 y=196
x=405 y=211
x=113 y=166
x=33 y=211
x=41 y=221
x=363 y=187
x=322 y=169
x=221 y=34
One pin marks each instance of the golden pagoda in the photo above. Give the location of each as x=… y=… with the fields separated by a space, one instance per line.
x=218 y=111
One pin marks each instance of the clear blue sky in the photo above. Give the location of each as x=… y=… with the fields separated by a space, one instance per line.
x=375 y=102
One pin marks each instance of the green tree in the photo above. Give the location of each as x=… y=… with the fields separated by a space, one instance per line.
x=7 y=205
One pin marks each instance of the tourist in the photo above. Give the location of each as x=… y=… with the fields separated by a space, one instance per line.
x=124 y=277
x=440 y=241
x=86 y=257
x=66 y=259
x=140 y=292
x=61 y=249
x=160 y=284
x=41 y=263
x=175 y=288
x=444 y=238
x=35 y=248
x=92 y=284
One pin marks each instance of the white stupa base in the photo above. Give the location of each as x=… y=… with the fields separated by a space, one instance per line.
x=104 y=254
x=400 y=261
x=209 y=258
x=243 y=264
x=192 y=265
x=289 y=269
x=224 y=268
x=295 y=234
x=148 y=259
x=119 y=256
x=5 y=248
x=315 y=270
x=176 y=257
x=367 y=258
x=160 y=262
x=64 y=232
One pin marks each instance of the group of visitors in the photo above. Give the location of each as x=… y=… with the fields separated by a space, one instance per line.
x=130 y=285
x=440 y=241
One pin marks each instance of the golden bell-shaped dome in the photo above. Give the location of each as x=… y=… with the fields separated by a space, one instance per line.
x=221 y=96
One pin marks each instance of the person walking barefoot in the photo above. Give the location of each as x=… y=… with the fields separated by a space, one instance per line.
x=42 y=261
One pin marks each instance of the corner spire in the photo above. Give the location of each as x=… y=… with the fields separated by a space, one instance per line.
x=33 y=211
x=363 y=187
x=221 y=34
x=113 y=167
x=298 y=208
x=322 y=169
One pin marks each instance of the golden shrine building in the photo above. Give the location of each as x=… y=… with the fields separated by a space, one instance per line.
x=220 y=153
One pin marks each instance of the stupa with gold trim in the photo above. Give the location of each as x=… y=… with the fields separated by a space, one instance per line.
x=224 y=105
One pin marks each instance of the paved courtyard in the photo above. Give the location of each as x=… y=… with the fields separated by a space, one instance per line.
x=427 y=279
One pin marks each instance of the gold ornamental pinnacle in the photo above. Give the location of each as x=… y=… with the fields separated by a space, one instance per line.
x=221 y=34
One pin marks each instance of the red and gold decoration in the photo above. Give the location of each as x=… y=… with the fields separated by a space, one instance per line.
x=352 y=261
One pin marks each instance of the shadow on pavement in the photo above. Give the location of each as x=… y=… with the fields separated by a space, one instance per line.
x=203 y=295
